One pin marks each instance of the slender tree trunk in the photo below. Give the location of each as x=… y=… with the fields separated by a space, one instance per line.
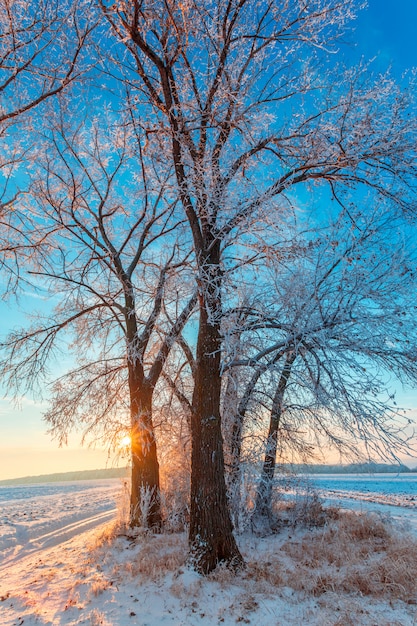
x=232 y=444
x=263 y=503
x=145 y=502
x=236 y=431
x=211 y=532
x=235 y=439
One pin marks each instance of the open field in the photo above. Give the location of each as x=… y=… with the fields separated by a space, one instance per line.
x=358 y=568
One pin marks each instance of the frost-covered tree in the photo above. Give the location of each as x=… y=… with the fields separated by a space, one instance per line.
x=334 y=328
x=251 y=110
x=103 y=249
x=247 y=116
x=41 y=49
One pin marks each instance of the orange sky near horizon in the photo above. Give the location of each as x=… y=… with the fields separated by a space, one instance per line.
x=26 y=449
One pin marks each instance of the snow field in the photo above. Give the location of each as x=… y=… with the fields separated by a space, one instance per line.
x=356 y=569
x=32 y=523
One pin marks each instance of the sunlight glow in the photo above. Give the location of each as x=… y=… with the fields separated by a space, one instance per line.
x=126 y=441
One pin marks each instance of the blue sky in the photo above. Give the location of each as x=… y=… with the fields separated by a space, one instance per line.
x=387 y=30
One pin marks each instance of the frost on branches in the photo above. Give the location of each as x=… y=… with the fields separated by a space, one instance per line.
x=249 y=172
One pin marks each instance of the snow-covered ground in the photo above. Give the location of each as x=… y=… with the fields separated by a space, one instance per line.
x=390 y=495
x=64 y=563
x=389 y=489
x=34 y=517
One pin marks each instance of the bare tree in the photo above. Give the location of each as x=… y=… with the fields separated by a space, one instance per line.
x=249 y=109
x=245 y=111
x=334 y=330
x=103 y=245
x=41 y=45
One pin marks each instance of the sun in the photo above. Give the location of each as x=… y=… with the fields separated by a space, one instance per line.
x=126 y=441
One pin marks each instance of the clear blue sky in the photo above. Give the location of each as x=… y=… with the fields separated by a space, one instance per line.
x=386 y=30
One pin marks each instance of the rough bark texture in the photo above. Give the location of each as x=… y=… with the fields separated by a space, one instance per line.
x=145 y=490
x=211 y=532
x=145 y=503
x=235 y=443
x=145 y=466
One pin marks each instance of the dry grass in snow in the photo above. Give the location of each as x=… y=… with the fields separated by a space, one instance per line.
x=358 y=554
x=356 y=569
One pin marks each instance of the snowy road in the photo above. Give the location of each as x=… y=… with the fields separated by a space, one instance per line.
x=66 y=532
x=29 y=545
x=33 y=523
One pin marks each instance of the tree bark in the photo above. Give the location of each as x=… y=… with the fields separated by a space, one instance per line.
x=145 y=501
x=236 y=431
x=211 y=531
x=235 y=437
x=232 y=435
x=263 y=502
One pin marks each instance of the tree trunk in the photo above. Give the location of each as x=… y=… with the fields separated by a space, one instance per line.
x=236 y=431
x=235 y=438
x=145 y=501
x=232 y=435
x=211 y=532
x=263 y=503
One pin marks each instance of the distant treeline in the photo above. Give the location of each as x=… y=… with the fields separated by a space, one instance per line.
x=123 y=472
x=113 y=472
x=352 y=468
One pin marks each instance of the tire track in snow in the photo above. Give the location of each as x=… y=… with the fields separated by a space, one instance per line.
x=58 y=536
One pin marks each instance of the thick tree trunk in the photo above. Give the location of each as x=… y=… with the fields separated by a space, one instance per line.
x=145 y=502
x=145 y=499
x=211 y=532
x=263 y=503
